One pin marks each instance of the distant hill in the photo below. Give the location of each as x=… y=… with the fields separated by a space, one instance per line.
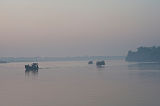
x=144 y=54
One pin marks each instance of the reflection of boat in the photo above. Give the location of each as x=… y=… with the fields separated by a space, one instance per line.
x=33 y=67
x=31 y=73
x=90 y=62
x=100 y=63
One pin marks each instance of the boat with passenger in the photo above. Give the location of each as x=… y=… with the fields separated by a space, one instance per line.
x=32 y=67
x=90 y=62
x=100 y=63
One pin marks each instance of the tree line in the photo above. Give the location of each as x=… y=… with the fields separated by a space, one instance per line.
x=144 y=54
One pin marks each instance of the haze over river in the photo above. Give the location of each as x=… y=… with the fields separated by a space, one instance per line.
x=75 y=83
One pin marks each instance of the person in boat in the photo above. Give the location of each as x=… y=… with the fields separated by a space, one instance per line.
x=100 y=63
x=90 y=62
x=33 y=67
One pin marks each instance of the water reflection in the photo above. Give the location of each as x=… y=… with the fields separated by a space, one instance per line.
x=31 y=73
x=144 y=66
x=145 y=70
x=100 y=68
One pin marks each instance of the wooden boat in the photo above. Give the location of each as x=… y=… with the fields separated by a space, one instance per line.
x=100 y=63
x=32 y=67
x=90 y=62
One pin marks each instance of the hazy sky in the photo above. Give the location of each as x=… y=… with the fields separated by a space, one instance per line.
x=77 y=27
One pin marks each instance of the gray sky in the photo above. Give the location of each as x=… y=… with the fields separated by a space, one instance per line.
x=77 y=27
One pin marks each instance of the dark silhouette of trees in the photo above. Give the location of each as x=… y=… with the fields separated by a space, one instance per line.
x=144 y=54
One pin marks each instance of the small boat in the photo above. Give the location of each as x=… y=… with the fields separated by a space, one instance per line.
x=100 y=63
x=32 y=67
x=90 y=62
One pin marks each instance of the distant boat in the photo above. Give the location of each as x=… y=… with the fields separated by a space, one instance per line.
x=90 y=62
x=32 y=67
x=100 y=63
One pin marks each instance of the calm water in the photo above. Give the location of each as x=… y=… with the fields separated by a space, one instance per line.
x=79 y=84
